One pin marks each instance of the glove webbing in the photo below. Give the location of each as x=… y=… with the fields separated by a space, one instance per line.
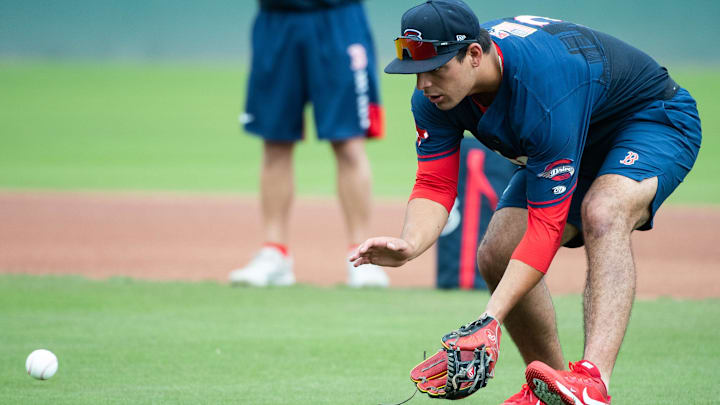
x=460 y=372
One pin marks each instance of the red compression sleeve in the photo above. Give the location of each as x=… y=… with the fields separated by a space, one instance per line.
x=543 y=236
x=437 y=178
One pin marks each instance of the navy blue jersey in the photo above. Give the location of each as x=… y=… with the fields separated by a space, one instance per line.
x=302 y=5
x=564 y=87
x=559 y=79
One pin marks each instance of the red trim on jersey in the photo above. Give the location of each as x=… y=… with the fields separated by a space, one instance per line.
x=447 y=152
x=482 y=108
x=543 y=235
x=376 y=114
x=437 y=180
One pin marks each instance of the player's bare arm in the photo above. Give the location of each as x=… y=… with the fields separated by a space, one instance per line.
x=518 y=280
x=424 y=220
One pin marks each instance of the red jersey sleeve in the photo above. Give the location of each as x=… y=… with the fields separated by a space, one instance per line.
x=543 y=235
x=437 y=178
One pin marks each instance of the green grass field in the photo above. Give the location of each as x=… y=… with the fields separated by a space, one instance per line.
x=164 y=127
x=123 y=341
x=101 y=126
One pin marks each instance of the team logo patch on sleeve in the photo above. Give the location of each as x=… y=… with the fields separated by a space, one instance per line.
x=421 y=135
x=559 y=170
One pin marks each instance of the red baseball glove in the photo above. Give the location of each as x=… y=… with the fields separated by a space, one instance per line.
x=464 y=364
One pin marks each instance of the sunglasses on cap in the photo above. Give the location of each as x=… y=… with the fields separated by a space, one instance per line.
x=422 y=49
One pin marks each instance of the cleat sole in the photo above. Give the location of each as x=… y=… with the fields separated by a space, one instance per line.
x=546 y=395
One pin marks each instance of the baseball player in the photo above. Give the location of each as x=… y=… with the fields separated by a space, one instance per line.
x=601 y=135
x=317 y=51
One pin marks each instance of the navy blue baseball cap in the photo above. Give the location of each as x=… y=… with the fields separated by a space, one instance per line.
x=431 y=34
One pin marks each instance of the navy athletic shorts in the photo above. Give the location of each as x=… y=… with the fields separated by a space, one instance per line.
x=325 y=57
x=661 y=140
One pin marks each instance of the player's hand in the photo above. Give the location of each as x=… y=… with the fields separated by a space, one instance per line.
x=383 y=251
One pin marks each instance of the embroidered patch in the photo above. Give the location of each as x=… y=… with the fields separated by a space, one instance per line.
x=559 y=170
x=505 y=28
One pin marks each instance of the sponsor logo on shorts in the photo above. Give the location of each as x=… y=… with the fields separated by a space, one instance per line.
x=559 y=170
x=559 y=189
x=358 y=64
x=630 y=158
x=358 y=57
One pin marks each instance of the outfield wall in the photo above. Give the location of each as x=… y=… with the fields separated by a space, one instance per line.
x=217 y=30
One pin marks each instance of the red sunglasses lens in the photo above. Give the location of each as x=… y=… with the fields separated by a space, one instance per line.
x=417 y=50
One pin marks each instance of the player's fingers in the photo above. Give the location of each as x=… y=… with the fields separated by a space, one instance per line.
x=370 y=244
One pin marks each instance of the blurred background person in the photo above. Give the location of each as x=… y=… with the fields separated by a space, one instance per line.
x=317 y=51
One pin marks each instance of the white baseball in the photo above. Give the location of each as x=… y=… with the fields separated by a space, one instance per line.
x=41 y=364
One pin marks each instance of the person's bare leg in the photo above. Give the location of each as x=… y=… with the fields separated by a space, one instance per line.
x=276 y=190
x=531 y=323
x=354 y=186
x=613 y=207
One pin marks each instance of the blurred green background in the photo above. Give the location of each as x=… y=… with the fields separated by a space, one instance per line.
x=136 y=95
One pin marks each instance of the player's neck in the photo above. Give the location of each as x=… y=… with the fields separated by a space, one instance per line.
x=487 y=77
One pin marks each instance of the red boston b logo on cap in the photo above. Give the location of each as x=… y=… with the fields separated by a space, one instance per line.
x=412 y=33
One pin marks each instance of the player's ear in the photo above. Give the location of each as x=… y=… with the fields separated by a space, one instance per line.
x=475 y=53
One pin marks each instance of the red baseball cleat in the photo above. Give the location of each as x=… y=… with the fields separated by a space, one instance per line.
x=524 y=397
x=581 y=385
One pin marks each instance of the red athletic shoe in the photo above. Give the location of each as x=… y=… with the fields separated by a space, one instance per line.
x=524 y=397
x=581 y=385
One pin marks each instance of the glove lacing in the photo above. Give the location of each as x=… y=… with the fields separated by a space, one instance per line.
x=467 y=329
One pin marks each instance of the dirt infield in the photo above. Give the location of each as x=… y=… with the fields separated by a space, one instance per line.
x=195 y=237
